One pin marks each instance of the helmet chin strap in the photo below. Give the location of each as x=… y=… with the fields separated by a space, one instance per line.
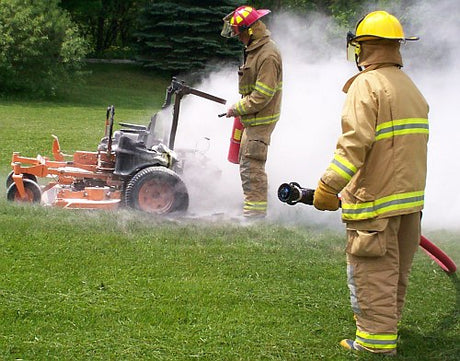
x=360 y=68
x=250 y=33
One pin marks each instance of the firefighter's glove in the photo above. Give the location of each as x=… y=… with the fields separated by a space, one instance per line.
x=326 y=198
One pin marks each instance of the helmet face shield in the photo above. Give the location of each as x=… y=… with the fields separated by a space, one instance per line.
x=353 y=47
x=228 y=30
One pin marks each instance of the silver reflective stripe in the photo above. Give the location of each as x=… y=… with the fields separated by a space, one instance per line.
x=374 y=342
x=402 y=127
x=261 y=120
x=350 y=173
x=343 y=167
x=382 y=205
x=380 y=341
x=352 y=287
x=255 y=206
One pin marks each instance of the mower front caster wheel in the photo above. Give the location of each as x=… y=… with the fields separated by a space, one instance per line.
x=32 y=189
x=9 y=179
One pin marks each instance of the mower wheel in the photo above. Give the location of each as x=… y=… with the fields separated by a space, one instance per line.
x=156 y=190
x=33 y=192
x=9 y=179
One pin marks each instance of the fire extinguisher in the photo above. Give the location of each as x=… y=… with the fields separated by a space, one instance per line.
x=235 y=141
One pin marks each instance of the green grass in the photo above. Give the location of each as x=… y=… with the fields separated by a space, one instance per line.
x=96 y=285
x=78 y=117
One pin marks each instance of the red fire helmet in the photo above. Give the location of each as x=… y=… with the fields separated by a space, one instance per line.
x=241 y=19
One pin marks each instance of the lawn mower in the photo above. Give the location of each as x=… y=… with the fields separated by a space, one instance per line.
x=135 y=166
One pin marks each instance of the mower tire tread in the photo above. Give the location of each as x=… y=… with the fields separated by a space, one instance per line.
x=156 y=190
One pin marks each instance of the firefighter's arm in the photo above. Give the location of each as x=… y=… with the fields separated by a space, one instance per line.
x=267 y=84
x=358 y=134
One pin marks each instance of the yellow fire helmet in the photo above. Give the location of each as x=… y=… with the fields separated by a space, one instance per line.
x=377 y=24
x=380 y=24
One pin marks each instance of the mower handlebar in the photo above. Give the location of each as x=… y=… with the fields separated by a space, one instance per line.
x=180 y=88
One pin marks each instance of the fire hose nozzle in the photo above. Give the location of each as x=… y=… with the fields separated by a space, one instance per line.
x=292 y=193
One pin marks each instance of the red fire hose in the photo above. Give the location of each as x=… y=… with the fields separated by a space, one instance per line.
x=437 y=255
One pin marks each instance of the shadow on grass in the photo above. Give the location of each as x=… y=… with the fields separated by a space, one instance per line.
x=443 y=344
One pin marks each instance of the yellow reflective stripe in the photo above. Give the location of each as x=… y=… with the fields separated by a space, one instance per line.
x=255 y=206
x=261 y=88
x=376 y=341
x=264 y=89
x=401 y=127
x=240 y=108
x=383 y=205
x=343 y=167
x=261 y=120
x=246 y=89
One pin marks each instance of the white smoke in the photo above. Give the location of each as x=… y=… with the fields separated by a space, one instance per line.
x=303 y=142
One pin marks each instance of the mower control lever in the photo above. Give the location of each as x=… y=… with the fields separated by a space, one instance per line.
x=179 y=89
x=134 y=126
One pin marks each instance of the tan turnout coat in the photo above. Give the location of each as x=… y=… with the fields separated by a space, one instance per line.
x=379 y=165
x=260 y=82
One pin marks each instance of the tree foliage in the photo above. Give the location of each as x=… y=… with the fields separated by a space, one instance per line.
x=184 y=35
x=40 y=46
x=107 y=24
x=344 y=11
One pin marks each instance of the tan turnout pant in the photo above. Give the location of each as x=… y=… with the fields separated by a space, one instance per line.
x=253 y=156
x=379 y=259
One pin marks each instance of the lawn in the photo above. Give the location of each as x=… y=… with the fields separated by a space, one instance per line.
x=78 y=116
x=121 y=285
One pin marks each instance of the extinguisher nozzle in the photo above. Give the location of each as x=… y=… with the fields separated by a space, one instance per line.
x=221 y=115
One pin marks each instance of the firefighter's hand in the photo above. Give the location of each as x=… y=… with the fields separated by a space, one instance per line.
x=230 y=113
x=326 y=198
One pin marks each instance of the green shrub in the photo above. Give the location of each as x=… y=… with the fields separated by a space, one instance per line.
x=40 y=47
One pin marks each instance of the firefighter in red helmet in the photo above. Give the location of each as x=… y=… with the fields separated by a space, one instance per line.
x=379 y=168
x=260 y=83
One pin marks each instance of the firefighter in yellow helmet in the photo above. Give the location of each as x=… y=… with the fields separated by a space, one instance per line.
x=379 y=169
x=260 y=82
